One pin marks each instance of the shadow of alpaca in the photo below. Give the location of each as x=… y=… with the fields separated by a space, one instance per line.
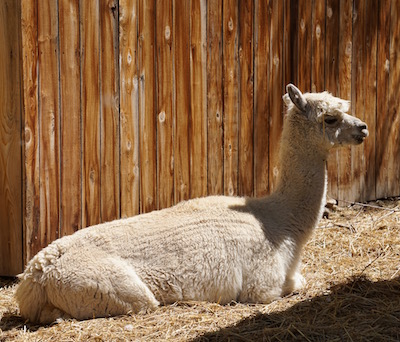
x=352 y=311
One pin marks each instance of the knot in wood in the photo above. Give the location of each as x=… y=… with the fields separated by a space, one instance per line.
x=230 y=24
x=161 y=117
x=167 y=32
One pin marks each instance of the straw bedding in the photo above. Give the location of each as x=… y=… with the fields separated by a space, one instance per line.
x=352 y=268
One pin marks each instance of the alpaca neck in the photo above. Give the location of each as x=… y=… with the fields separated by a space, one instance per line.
x=302 y=178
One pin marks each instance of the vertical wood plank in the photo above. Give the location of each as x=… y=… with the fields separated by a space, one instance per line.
x=90 y=111
x=345 y=62
x=198 y=83
x=246 y=100
x=290 y=48
x=32 y=241
x=147 y=106
x=215 y=159
x=304 y=46
x=261 y=109
x=182 y=43
x=49 y=120
x=70 y=121
x=165 y=119
x=275 y=87
x=394 y=102
x=332 y=81
x=230 y=75
x=109 y=130
x=357 y=97
x=383 y=126
x=129 y=107
x=11 y=251
x=371 y=26
x=318 y=46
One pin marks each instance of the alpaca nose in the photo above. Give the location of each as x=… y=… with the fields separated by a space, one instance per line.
x=362 y=126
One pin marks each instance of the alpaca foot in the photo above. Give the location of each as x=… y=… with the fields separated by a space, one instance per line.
x=298 y=282
x=293 y=284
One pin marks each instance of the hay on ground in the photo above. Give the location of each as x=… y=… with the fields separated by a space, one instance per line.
x=352 y=268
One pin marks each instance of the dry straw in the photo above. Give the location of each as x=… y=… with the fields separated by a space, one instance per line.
x=352 y=267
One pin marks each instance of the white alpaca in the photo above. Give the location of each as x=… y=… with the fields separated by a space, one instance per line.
x=217 y=249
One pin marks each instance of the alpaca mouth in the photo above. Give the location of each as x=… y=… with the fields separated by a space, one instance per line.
x=359 y=138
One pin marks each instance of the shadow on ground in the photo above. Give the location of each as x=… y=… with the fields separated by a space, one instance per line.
x=359 y=310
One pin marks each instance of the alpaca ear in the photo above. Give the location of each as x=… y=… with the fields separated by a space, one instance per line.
x=297 y=97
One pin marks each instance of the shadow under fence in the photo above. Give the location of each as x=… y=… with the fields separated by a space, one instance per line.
x=356 y=310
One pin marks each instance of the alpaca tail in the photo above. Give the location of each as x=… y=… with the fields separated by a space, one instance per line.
x=32 y=299
x=31 y=293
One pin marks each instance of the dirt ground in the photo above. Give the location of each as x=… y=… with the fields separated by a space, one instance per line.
x=352 y=268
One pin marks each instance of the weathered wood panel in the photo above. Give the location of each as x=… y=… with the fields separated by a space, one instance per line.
x=70 y=121
x=109 y=109
x=147 y=109
x=370 y=70
x=304 y=45
x=246 y=100
x=231 y=105
x=332 y=80
x=382 y=155
x=345 y=63
x=133 y=105
x=215 y=114
x=11 y=244
x=31 y=216
x=129 y=107
x=198 y=99
x=48 y=120
x=90 y=97
x=275 y=91
x=318 y=45
x=165 y=113
x=261 y=109
x=394 y=102
x=182 y=99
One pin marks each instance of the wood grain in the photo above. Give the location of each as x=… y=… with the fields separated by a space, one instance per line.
x=304 y=46
x=49 y=121
x=231 y=105
x=215 y=159
x=198 y=100
x=370 y=65
x=275 y=87
x=165 y=113
x=147 y=106
x=90 y=64
x=345 y=62
x=134 y=105
x=11 y=243
x=31 y=219
x=318 y=45
x=129 y=108
x=246 y=99
x=109 y=120
x=332 y=81
x=182 y=99
x=70 y=121
x=358 y=94
x=383 y=125
x=261 y=109
x=394 y=102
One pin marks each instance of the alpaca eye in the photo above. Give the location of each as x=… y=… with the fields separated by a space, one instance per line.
x=329 y=120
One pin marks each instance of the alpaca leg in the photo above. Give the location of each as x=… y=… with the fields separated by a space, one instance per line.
x=106 y=288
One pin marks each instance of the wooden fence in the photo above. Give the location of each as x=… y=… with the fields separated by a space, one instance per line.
x=127 y=106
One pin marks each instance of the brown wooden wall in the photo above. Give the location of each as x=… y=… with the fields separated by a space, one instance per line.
x=134 y=105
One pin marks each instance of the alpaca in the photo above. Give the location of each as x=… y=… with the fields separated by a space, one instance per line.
x=216 y=248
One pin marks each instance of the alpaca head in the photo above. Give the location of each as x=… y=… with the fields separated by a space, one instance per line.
x=326 y=115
